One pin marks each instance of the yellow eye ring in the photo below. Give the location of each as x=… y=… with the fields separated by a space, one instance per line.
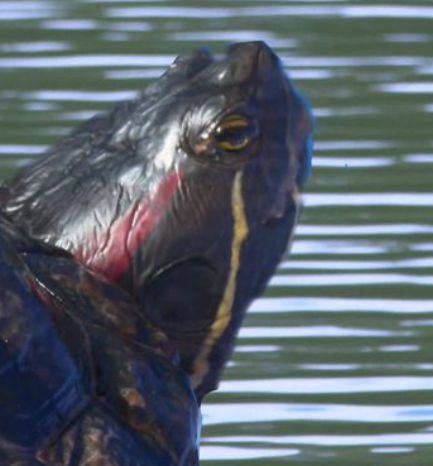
x=234 y=121
x=235 y=132
x=227 y=145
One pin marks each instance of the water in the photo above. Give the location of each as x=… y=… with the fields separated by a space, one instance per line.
x=334 y=365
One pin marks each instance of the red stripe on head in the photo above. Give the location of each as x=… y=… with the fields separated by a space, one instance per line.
x=111 y=253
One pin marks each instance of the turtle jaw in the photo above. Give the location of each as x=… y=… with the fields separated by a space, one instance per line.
x=179 y=296
x=182 y=299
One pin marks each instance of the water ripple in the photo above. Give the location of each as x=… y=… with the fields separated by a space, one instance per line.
x=71 y=24
x=222 y=413
x=129 y=1
x=333 y=385
x=365 y=11
x=392 y=450
x=168 y=12
x=87 y=61
x=23 y=15
x=419 y=158
x=35 y=47
x=412 y=37
x=407 y=88
x=425 y=262
x=237 y=453
x=351 y=145
x=351 y=279
x=81 y=96
x=134 y=74
x=362 y=230
x=340 y=440
x=111 y=60
x=310 y=74
x=352 y=162
x=22 y=10
x=368 y=199
x=25 y=5
x=131 y=26
x=350 y=62
x=389 y=11
x=326 y=304
x=257 y=348
x=319 y=331
x=339 y=247
x=21 y=149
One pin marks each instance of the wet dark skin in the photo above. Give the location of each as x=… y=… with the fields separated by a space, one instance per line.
x=85 y=379
x=185 y=197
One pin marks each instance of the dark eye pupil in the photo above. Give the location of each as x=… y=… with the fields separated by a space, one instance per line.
x=235 y=135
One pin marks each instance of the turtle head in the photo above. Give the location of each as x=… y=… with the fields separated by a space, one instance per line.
x=240 y=142
x=187 y=196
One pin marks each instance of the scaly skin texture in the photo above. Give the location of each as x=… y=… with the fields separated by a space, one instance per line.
x=144 y=195
x=84 y=379
x=182 y=203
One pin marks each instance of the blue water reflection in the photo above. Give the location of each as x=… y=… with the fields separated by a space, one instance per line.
x=236 y=453
x=329 y=385
x=87 y=61
x=322 y=331
x=223 y=413
x=379 y=11
x=369 y=199
x=335 y=304
x=351 y=279
x=70 y=24
x=337 y=440
x=350 y=162
x=355 y=299
x=340 y=247
x=34 y=47
x=424 y=262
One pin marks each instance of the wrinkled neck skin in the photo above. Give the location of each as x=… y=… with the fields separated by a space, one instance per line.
x=200 y=307
x=71 y=198
x=145 y=197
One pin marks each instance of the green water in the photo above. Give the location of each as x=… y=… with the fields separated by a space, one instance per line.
x=335 y=364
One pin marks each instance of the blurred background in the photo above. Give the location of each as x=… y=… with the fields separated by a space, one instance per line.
x=334 y=366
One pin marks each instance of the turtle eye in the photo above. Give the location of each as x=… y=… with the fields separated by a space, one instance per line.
x=235 y=132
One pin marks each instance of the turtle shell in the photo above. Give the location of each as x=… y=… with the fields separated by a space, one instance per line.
x=42 y=386
x=78 y=362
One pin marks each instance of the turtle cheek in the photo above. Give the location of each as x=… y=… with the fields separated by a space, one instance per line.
x=177 y=293
x=181 y=300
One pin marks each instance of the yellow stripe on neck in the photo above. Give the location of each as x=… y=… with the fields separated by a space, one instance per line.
x=224 y=313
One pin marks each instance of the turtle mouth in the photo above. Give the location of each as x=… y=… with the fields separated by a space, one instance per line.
x=181 y=298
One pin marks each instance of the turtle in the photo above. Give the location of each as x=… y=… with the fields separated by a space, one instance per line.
x=183 y=200
x=85 y=379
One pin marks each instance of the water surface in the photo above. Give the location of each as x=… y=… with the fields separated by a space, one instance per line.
x=334 y=365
